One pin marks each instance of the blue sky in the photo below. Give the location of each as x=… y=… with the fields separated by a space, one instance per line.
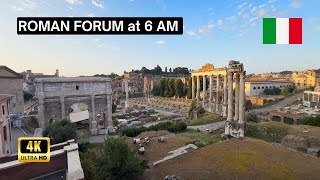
x=215 y=31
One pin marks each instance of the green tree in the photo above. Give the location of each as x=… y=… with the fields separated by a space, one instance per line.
x=118 y=161
x=178 y=86
x=276 y=90
x=171 y=88
x=155 y=91
x=192 y=107
x=291 y=89
x=189 y=91
x=27 y=96
x=285 y=91
x=162 y=86
x=60 y=131
x=114 y=107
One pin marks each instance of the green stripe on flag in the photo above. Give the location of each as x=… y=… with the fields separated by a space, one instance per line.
x=269 y=30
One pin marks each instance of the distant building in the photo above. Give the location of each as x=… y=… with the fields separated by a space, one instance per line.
x=256 y=85
x=5 y=128
x=12 y=83
x=305 y=79
x=312 y=98
x=135 y=83
x=29 y=77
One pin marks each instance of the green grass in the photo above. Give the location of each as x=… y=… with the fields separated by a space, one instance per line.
x=202 y=139
x=271 y=132
x=208 y=118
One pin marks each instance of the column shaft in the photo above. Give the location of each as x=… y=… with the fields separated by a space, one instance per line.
x=109 y=111
x=237 y=89
x=210 y=90
x=63 y=107
x=198 y=87
x=225 y=96
x=193 y=87
x=204 y=83
x=242 y=103
x=217 y=93
x=230 y=97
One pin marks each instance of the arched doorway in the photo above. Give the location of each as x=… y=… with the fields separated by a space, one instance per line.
x=79 y=113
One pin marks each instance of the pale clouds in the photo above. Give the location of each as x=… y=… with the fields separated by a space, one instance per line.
x=160 y=42
x=317 y=28
x=72 y=1
x=296 y=4
x=25 y=5
x=97 y=3
x=193 y=34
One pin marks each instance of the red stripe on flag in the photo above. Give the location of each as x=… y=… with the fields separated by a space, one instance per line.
x=295 y=30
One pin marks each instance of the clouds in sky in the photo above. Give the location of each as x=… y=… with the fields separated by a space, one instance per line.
x=160 y=42
x=97 y=3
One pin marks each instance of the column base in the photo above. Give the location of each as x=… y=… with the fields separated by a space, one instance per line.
x=224 y=111
x=94 y=131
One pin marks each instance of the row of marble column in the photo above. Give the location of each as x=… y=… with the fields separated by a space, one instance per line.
x=233 y=102
x=218 y=94
x=311 y=96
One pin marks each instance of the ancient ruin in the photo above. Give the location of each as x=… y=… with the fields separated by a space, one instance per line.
x=78 y=99
x=222 y=82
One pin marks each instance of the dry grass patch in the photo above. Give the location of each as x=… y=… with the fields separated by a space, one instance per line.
x=240 y=159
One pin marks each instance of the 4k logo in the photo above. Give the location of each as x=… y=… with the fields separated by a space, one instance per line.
x=34 y=149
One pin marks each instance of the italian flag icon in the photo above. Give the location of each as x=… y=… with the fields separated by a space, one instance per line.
x=282 y=30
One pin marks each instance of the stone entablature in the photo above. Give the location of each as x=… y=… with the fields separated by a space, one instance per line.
x=57 y=95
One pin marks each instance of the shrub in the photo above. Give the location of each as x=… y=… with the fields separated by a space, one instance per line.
x=60 y=131
x=311 y=121
x=169 y=126
x=88 y=166
x=118 y=161
x=267 y=131
x=253 y=118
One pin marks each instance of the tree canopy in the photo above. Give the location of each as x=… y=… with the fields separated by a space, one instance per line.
x=60 y=131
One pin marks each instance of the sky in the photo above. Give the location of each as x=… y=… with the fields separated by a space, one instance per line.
x=215 y=31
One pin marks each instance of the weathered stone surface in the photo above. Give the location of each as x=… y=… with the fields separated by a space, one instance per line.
x=314 y=151
x=295 y=142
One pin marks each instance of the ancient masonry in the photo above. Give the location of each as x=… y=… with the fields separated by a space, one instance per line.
x=57 y=95
x=228 y=83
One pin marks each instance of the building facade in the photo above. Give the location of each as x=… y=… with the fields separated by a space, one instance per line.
x=135 y=83
x=29 y=77
x=305 y=79
x=256 y=88
x=5 y=126
x=12 y=83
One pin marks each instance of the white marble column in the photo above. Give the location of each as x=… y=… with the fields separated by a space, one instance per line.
x=109 y=112
x=230 y=97
x=236 y=104
x=204 y=83
x=94 y=129
x=63 y=107
x=41 y=115
x=225 y=97
x=217 y=94
x=210 y=91
x=242 y=103
x=127 y=92
x=198 y=88
x=193 y=87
